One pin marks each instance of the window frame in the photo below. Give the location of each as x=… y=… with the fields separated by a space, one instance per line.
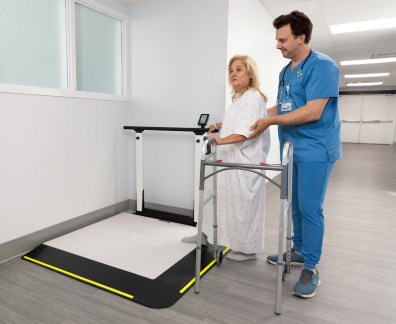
x=71 y=90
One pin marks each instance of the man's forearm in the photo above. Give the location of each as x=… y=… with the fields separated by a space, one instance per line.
x=272 y=111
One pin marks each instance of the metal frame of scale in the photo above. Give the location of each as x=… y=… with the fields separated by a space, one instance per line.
x=140 y=208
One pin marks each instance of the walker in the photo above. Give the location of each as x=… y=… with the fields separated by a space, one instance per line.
x=285 y=186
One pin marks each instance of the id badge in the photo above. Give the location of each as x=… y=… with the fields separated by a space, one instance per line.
x=286 y=106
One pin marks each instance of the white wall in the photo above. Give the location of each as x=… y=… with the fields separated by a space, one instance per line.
x=60 y=158
x=250 y=32
x=179 y=70
x=178 y=65
x=64 y=157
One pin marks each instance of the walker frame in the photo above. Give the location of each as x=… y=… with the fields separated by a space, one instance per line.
x=285 y=186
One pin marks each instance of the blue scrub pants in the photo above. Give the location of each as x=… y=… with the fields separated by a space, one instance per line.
x=309 y=189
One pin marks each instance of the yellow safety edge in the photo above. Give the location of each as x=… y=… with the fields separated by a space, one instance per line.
x=201 y=273
x=80 y=278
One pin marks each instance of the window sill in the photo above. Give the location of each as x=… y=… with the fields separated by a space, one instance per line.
x=27 y=90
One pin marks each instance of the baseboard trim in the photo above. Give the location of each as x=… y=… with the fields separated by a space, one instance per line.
x=21 y=245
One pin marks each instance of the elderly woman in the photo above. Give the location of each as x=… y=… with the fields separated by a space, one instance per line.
x=240 y=194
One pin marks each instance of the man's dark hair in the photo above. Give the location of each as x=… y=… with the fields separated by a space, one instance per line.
x=300 y=24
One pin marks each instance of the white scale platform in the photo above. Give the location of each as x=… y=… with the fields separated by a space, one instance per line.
x=137 y=244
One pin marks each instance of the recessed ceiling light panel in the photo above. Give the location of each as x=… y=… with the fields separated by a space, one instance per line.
x=366 y=75
x=369 y=61
x=364 y=25
x=364 y=84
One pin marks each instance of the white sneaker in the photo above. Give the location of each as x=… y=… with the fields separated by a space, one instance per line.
x=240 y=256
x=194 y=238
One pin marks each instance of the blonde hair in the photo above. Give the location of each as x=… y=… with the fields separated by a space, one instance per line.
x=252 y=70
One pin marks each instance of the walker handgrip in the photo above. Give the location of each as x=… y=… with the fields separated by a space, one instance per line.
x=287 y=152
x=207 y=149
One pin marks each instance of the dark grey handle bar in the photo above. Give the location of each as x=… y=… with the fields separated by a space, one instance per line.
x=140 y=129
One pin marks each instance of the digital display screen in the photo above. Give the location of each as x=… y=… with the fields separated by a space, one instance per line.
x=203 y=119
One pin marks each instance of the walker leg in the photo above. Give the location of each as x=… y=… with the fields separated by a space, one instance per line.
x=218 y=253
x=286 y=210
x=219 y=257
x=197 y=268
x=280 y=263
x=289 y=209
x=199 y=244
x=288 y=238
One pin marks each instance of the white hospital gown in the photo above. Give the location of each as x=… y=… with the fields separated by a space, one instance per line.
x=240 y=194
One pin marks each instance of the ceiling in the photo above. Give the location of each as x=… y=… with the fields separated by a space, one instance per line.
x=357 y=45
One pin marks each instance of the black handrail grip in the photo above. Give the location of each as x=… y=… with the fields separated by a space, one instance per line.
x=140 y=129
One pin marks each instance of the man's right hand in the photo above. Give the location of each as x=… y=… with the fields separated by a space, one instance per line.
x=259 y=127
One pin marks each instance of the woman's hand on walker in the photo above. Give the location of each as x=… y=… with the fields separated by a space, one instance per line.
x=217 y=139
x=212 y=128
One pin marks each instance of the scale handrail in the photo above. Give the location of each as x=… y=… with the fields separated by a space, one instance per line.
x=195 y=130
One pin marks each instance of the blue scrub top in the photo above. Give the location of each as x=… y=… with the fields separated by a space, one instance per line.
x=317 y=141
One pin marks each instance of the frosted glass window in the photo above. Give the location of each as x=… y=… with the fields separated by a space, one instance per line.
x=98 y=51
x=33 y=43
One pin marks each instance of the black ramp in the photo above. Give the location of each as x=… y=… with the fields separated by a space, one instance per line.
x=160 y=292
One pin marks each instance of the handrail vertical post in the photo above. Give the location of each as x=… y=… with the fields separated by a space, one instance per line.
x=199 y=140
x=139 y=172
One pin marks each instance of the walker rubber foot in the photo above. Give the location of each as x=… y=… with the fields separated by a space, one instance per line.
x=219 y=257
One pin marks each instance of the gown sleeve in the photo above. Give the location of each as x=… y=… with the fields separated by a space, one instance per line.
x=251 y=108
